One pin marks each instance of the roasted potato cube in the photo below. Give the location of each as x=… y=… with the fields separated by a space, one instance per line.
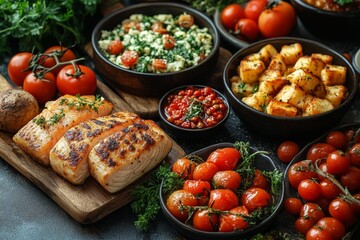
x=277 y=63
x=267 y=52
x=316 y=106
x=252 y=57
x=308 y=82
x=273 y=86
x=291 y=53
x=258 y=100
x=293 y=95
x=241 y=89
x=250 y=71
x=314 y=65
x=269 y=74
x=336 y=94
x=279 y=108
x=327 y=59
x=333 y=75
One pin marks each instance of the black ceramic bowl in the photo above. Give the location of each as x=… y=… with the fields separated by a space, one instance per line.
x=193 y=132
x=289 y=127
x=262 y=162
x=152 y=84
x=326 y=24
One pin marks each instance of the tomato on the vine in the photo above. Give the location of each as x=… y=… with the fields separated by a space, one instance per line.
x=351 y=179
x=278 y=20
x=316 y=233
x=303 y=224
x=205 y=220
x=312 y=211
x=354 y=154
x=247 y=28
x=225 y=158
x=298 y=172
x=259 y=180
x=340 y=209
x=337 y=139
x=337 y=162
x=254 y=8
x=64 y=55
x=287 y=151
x=333 y=226
x=228 y=179
x=254 y=198
x=43 y=89
x=234 y=220
x=328 y=189
x=199 y=188
x=180 y=197
x=184 y=167
x=223 y=199
x=231 y=14
x=309 y=190
x=17 y=65
x=319 y=151
x=293 y=205
x=76 y=80
x=205 y=171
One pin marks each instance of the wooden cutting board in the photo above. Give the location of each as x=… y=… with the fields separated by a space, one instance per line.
x=87 y=203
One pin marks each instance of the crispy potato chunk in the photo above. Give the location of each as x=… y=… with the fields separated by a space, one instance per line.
x=316 y=106
x=327 y=59
x=277 y=63
x=336 y=94
x=279 y=108
x=333 y=75
x=250 y=71
x=269 y=74
x=272 y=86
x=308 y=82
x=314 y=65
x=267 y=52
x=241 y=89
x=293 y=95
x=258 y=100
x=291 y=53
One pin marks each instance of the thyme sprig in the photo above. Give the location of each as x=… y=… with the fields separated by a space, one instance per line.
x=195 y=109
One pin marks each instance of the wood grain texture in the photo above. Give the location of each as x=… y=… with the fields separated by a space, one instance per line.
x=87 y=203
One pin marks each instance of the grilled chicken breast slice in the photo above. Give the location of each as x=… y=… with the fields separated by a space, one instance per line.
x=120 y=159
x=40 y=134
x=69 y=157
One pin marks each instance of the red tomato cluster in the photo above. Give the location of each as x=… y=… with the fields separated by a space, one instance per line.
x=214 y=185
x=258 y=17
x=328 y=212
x=195 y=108
x=60 y=77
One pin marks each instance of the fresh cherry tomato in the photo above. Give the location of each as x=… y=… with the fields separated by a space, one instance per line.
x=303 y=225
x=64 y=55
x=248 y=29
x=293 y=205
x=115 y=47
x=316 y=233
x=337 y=139
x=312 y=211
x=354 y=154
x=309 y=190
x=184 y=167
x=356 y=207
x=333 y=226
x=231 y=14
x=200 y=189
x=287 y=151
x=255 y=198
x=80 y=80
x=129 y=58
x=278 y=20
x=351 y=179
x=158 y=27
x=337 y=163
x=228 y=179
x=159 y=64
x=319 y=151
x=205 y=171
x=17 y=65
x=225 y=158
x=205 y=220
x=177 y=198
x=328 y=189
x=260 y=180
x=186 y=20
x=43 y=89
x=231 y=222
x=223 y=199
x=253 y=9
x=298 y=172
x=340 y=209
x=168 y=41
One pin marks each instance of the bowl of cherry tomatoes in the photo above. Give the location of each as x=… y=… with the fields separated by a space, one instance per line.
x=248 y=22
x=224 y=191
x=147 y=49
x=193 y=110
x=323 y=185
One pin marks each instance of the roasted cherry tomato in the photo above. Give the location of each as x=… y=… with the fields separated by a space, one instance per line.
x=287 y=151
x=228 y=179
x=168 y=41
x=260 y=180
x=312 y=211
x=231 y=14
x=200 y=189
x=225 y=158
x=248 y=29
x=205 y=220
x=278 y=20
x=177 y=198
x=43 y=88
x=337 y=163
x=184 y=167
x=17 y=65
x=255 y=198
x=76 y=80
x=186 y=20
x=205 y=171
x=223 y=199
x=231 y=222
x=328 y=189
x=298 y=172
x=253 y=9
x=64 y=55
x=340 y=210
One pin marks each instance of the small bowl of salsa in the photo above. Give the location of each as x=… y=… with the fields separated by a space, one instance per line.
x=193 y=109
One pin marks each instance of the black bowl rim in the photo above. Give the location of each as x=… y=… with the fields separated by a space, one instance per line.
x=250 y=231
x=194 y=130
x=236 y=42
x=340 y=14
x=344 y=104
x=185 y=8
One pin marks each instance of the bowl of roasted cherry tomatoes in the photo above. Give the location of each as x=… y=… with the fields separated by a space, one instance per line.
x=193 y=110
x=241 y=24
x=224 y=191
x=290 y=87
x=147 y=49
x=323 y=185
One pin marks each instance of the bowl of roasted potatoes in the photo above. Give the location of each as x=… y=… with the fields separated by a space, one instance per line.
x=290 y=87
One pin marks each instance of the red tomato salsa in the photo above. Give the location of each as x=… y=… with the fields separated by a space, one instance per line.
x=195 y=108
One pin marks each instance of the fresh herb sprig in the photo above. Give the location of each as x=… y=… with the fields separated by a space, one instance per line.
x=209 y=6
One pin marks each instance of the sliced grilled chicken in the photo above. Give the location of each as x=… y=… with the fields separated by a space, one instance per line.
x=69 y=157
x=40 y=134
x=120 y=159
